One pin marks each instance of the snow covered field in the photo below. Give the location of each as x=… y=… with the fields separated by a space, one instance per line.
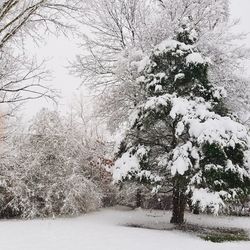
x=105 y=230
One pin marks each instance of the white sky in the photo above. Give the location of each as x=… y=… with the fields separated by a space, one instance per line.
x=57 y=51
x=61 y=50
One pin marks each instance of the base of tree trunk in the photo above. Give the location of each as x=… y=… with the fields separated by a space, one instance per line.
x=138 y=198
x=176 y=220
x=196 y=211
x=179 y=204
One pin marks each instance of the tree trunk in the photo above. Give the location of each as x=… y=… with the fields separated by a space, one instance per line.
x=179 y=204
x=196 y=209
x=138 y=198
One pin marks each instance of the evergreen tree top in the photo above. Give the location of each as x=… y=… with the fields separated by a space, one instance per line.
x=186 y=34
x=177 y=66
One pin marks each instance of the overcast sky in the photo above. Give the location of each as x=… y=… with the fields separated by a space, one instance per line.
x=61 y=50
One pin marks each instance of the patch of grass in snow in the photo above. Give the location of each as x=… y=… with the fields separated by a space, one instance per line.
x=216 y=234
x=218 y=238
x=213 y=234
x=226 y=235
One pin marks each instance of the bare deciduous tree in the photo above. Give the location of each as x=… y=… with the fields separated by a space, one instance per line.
x=20 y=76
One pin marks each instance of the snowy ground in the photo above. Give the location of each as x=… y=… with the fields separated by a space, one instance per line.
x=105 y=230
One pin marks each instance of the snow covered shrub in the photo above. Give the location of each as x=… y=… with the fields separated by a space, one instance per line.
x=183 y=136
x=55 y=165
x=46 y=174
x=96 y=149
x=13 y=190
x=7 y=210
x=81 y=196
x=98 y=171
x=241 y=208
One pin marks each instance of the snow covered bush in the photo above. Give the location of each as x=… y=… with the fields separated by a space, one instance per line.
x=46 y=173
x=183 y=133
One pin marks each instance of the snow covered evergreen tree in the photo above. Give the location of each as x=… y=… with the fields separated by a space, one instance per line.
x=183 y=133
